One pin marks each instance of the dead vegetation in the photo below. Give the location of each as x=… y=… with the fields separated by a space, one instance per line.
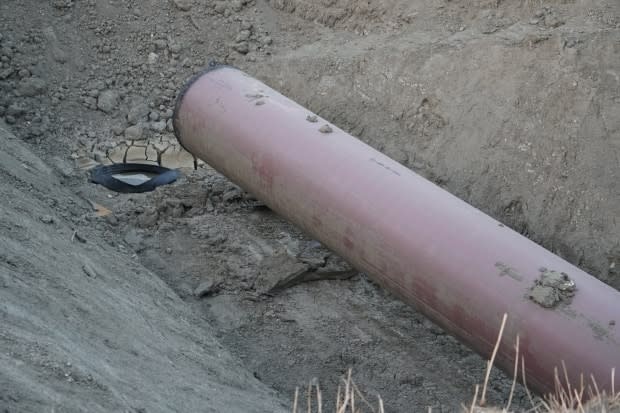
x=566 y=399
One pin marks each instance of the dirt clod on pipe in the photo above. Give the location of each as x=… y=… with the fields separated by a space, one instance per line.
x=456 y=265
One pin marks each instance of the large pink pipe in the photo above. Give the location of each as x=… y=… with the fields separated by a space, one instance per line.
x=455 y=264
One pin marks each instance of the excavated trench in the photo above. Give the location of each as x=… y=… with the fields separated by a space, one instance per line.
x=511 y=107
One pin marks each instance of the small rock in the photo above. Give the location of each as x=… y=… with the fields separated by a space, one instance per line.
x=47 y=219
x=23 y=73
x=134 y=132
x=168 y=250
x=31 y=86
x=10 y=119
x=96 y=85
x=160 y=44
x=243 y=36
x=167 y=114
x=107 y=101
x=175 y=48
x=148 y=218
x=231 y=195
x=135 y=240
x=138 y=112
x=488 y=28
x=553 y=21
x=98 y=156
x=4 y=73
x=154 y=116
x=77 y=236
x=118 y=130
x=236 y=5
x=90 y=103
x=15 y=110
x=177 y=211
x=152 y=59
x=220 y=7
x=326 y=129
x=184 y=5
x=169 y=125
x=436 y=330
x=6 y=51
x=59 y=55
x=267 y=40
x=112 y=220
x=204 y=288
x=242 y=47
x=159 y=126
x=312 y=118
x=89 y=271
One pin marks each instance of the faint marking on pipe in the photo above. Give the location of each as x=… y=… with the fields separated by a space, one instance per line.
x=348 y=243
x=384 y=166
x=264 y=167
x=218 y=82
x=568 y=311
x=598 y=330
x=505 y=270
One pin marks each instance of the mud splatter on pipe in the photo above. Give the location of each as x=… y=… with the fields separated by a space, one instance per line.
x=456 y=265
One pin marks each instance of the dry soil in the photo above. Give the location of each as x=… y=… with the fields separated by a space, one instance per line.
x=163 y=301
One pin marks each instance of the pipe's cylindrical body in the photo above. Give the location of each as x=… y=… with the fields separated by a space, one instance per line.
x=455 y=264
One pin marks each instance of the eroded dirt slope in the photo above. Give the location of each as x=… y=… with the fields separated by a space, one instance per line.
x=85 y=327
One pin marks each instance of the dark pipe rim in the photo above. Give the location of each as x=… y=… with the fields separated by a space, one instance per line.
x=103 y=175
x=213 y=65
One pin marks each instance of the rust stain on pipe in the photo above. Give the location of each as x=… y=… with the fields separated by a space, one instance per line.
x=456 y=265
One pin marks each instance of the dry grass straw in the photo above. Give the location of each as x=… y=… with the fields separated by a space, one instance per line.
x=349 y=399
x=566 y=399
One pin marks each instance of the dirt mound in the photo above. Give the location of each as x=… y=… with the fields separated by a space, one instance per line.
x=84 y=326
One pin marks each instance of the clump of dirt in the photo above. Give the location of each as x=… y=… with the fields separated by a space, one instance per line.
x=552 y=288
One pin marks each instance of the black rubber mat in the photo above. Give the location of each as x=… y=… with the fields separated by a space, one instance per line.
x=104 y=175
